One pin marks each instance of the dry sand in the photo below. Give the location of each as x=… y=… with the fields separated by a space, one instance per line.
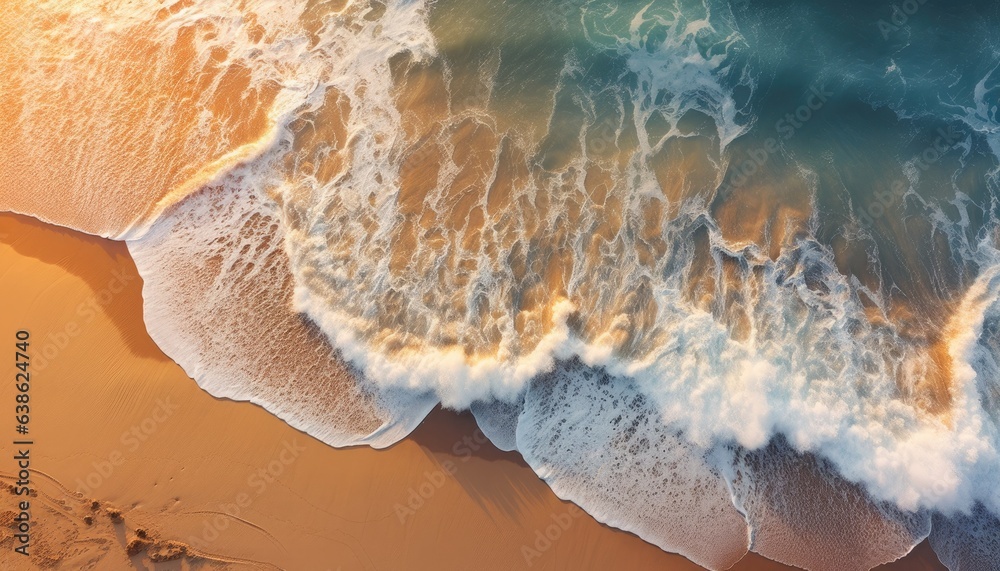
x=116 y=422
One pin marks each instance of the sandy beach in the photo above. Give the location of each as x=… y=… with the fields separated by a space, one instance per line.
x=130 y=456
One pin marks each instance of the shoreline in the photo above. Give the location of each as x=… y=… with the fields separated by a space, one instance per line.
x=119 y=423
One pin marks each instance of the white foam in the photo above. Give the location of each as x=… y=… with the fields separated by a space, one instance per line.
x=599 y=442
x=967 y=542
x=694 y=77
x=498 y=420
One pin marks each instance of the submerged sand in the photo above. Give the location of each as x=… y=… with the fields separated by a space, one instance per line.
x=138 y=468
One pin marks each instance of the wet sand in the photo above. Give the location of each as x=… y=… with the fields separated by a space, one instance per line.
x=216 y=484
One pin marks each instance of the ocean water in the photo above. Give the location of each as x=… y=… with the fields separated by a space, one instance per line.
x=725 y=273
